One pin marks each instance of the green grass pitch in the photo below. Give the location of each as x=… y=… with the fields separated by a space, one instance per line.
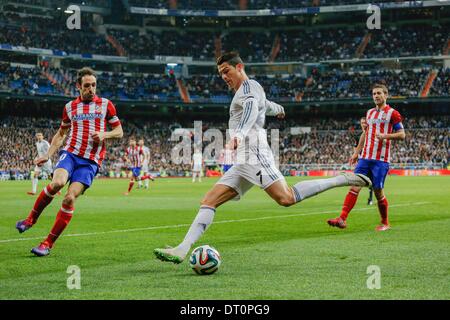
x=268 y=252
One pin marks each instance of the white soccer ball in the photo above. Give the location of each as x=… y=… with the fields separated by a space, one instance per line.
x=205 y=260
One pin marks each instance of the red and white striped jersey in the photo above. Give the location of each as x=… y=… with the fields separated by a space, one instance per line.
x=84 y=119
x=379 y=121
x=134 y=155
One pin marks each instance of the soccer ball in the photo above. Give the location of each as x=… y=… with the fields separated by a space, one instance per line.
x=205 y=260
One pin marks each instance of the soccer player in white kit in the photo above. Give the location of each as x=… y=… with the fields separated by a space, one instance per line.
x=42 y=147
x=145 y=162
x=248 y=137
x=197 y=164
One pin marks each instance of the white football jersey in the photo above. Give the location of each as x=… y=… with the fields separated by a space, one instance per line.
x=248 y=111
x=42 y=147
x=146 y=151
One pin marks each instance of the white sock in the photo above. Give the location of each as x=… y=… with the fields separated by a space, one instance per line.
x=35 y=184
x=139 y=183
x=307 y=189
x=201 y=223
x=193 y=176
x=146 y=183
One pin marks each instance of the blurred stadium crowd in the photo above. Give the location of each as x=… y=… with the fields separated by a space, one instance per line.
x=329 y=144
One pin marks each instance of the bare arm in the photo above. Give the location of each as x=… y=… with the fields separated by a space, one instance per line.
x=399 y=135
x=358 y=148
x=117 y=132
x=360 y=145
x=57 y=142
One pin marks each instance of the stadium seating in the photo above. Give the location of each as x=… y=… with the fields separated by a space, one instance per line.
x=322 y=86
x=255 y=46
x=235 y=4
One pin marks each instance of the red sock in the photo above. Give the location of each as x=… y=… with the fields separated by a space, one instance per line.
x=383 y=208
x=62 y=220
x=349 y=203
x=130 y=186
x=43 y=200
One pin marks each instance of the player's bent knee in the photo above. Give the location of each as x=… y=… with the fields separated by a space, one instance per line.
x=69 y=199
x=355 y=189
x=208 y=202
x=58 y=184
x=285 y=201
x=379 y=194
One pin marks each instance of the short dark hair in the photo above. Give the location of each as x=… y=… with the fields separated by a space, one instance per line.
x=380 y=86
x=85 y=71
x=232 y=58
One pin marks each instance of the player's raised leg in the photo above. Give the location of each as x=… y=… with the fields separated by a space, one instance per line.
x=218 y=195
x=62 y=219
x=287 y=196
x=46 y=196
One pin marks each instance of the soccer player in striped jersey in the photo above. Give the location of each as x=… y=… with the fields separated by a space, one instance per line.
x=249 y=138
x=357 y=138
x=42 y=147
x=134 y=156
x=145 y=164
x=384 y=124
x=84 y=122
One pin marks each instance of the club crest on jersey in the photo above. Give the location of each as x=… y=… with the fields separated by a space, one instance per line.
x=384 y=116
x=98 y=108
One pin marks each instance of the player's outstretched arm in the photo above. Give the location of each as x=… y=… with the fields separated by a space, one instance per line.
x=274 y=109
x=57 y=142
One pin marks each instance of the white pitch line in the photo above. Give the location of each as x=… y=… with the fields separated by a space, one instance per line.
x=216 y=222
